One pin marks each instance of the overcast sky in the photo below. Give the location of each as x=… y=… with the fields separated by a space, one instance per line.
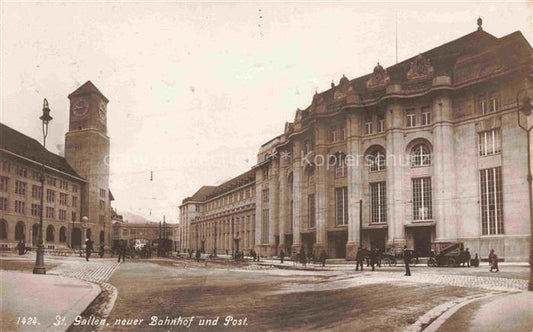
x=195 y=89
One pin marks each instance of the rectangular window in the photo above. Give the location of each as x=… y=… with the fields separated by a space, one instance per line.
x=264 y=227
x=381 y=123
x=50 y=195
x=426 y=116
x=62 y=215
x=341 y=202
x=265 y=173
x=489 y=142
x=482 y=103
x=74 y=201
x=22 y=171
x=378 y=202
x=422 y=204
x=101 y=219
x=410 y=117
x=19 y=207
x=74 y=188
x=197 y=207
x=50 y=212
x=311 y=209
x=4 y=180
x=73 y=216
x=6 y=167
x=266 y=197
x=20 y=188
x=3 y=203
x=51 y=181
x=494 y=103
x=63 y=199
x=343 y=134
x=102 y=192
x=491 y=201
x=35 y=210
x=63 y=184
x=333 y=134
x=368 y=127
x=36 y=191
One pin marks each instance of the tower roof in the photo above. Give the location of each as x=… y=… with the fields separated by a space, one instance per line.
x=87 y=89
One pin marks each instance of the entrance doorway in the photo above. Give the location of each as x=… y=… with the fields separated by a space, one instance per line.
x=422 y=241
x=337 y=244
x=378 y=238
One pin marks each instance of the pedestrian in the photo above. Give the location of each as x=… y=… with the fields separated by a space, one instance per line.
x=467 y=257
x=475 y=261
x=323 y=257
x=88 y=248
x=281 y=256
x=121 y=252
x=102 y=247
x=21 y=247
x=198 y=255
x=494 y=265
x=373 y=259
x=491 y=253
x=407 y=259
x=303 y=257
x=359 y=258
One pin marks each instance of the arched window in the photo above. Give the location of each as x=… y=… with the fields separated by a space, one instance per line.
x=377 y=161
x=420 y=156
x=62 y=234
x=3 y=229
x=50 y=233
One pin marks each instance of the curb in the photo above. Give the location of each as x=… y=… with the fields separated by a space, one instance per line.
x=432 y=320
x=76 y=309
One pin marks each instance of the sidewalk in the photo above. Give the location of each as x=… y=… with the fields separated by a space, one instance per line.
x=42 y=297
x=504 y=312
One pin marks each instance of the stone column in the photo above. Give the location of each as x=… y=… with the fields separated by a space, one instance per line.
x=355 y=165
x=273 y=208
x=297 y=195
x=283 y=218
x=321 y=174
x=259 y=206
x=396 y=160
x=443 y=182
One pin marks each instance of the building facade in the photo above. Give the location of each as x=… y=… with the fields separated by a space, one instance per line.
x=77 y=200
x=427 y=150
x=221 y=219
x=145 y=233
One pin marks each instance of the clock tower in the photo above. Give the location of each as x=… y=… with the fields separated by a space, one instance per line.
x=87 y=151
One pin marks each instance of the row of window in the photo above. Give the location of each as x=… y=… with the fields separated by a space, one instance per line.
x=22 y=171
x=36 y=192
x=35 y=210
x=231 y=198
x=491 y=203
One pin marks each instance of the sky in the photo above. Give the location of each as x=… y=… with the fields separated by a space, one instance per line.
x=196 y=88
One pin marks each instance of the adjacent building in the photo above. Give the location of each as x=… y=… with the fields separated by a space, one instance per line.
x=427 y=150
x=76 y=185
x=221 y=219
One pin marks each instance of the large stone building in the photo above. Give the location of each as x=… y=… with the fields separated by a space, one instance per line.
x=76 y=185
x=220 y=219
x=427 y=150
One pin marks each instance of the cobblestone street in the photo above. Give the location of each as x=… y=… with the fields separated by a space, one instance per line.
x=96 y=270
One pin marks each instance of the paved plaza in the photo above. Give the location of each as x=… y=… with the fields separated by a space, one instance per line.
x=143 y=295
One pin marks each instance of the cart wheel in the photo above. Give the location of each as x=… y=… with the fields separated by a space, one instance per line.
x=432 y=262
x=451 y=262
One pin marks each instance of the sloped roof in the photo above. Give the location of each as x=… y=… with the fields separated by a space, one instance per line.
x=86 y=89
x=27 y=147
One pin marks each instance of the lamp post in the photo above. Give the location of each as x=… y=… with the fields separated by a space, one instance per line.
x=526 y=109
x=39 y=267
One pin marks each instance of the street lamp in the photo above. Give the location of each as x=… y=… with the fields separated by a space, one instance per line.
x=39 y=267
x=526 y=110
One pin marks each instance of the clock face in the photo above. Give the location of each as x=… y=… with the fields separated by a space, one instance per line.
x=80 y=107
x=101 y=111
